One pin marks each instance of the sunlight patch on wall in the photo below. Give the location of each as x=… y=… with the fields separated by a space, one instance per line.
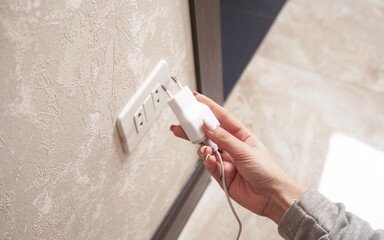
x=353 y=175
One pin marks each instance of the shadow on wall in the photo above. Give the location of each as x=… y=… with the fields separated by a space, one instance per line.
x=244 y=23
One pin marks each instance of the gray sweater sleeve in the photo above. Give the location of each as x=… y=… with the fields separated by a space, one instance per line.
x=315 y=217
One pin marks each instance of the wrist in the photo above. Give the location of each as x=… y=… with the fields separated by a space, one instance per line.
x=282 y=198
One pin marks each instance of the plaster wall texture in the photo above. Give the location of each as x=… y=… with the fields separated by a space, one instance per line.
x=67 y=69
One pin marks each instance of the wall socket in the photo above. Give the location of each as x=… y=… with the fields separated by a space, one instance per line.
x=143 y=108
x=140 y=119
x=156 y=95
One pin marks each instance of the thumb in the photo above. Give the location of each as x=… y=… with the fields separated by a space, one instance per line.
x=224 y=139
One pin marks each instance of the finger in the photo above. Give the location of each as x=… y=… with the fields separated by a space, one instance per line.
x=179 y=132
x=213 y=167
x=203 y=151
x=226 y=157
x=230 y=172
x=225 y=140
x=226 y=119
x=210 y=162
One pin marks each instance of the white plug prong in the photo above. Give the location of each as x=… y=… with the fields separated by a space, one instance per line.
x=177 y=82
x=167 y=91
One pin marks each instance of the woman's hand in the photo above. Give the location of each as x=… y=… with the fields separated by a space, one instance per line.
x=253 y=177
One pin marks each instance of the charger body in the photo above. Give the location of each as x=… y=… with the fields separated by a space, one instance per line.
x=191 y=114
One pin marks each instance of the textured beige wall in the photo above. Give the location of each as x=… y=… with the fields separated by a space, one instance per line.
x=67 y=69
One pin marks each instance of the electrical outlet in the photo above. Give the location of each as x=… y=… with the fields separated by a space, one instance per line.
x=157 y=95
x=143 y=108
x=140 y=119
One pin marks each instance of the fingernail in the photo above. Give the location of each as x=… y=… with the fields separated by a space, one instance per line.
x=195 y=93
x=210 y=124
x=202 y=149
x=206 y=157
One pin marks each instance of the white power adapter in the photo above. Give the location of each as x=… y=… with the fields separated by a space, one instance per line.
x=191 y=115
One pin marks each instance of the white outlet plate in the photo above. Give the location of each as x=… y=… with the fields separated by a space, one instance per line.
x=129 y=133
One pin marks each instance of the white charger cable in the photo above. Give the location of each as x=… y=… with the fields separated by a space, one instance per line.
x=191 y=114
x=227 y=195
